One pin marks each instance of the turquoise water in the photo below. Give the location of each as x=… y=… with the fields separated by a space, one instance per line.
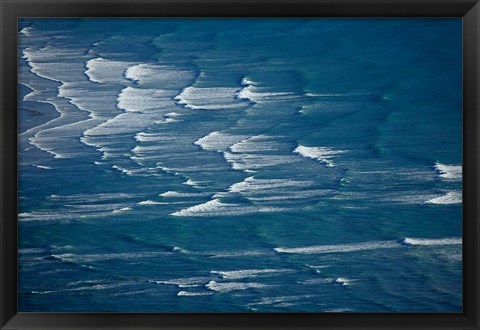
x=240 y=165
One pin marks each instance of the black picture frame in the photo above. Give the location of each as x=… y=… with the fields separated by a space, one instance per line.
x=11 y=10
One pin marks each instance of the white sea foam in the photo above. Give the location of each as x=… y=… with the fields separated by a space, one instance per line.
x=343 y=281
x=46 y=147
x=140 y=100
x=217 y=208
x=43 y=144
x=71 y=212
x=31 y=251
x=84 y=282
x=27 y=214
x=79 y=258
x=92 y=198
x=246 y=81
x=279 y=300
x=118 y=168
x=253 y=94
x=218 y=141
x=246 y=273
x=180 y=250
x=32 y=56
x=210 y=98
x=99 y=102
x=184 y=170
x=34 y=94
x=256 y=94
x=334 y=94
x=184 y=282
x=232 y=286
x=94 y=207
x=341 y=248
x=321 y=154
x=255 y=144
x=124 y=123
x=139 y=149
x=206 y=209
x=43 y=292
x=193 y=294
x=130 y=293
x=194 y=183
x=84 y=288
x=173 y=114
x=59 y=136
x=251 y=185
x=288 y=195
x=42 y=167
x=244 y=162
x=26 y=31
x=149 y=137
x=450 y=256
x=315 y=281
x=121 y=210
x=337 y=310
x=61 y=64
x=149 y=202
x=374 y=245
x=159 y=76
x=317 y=266
x=101 y=70
x=190 y=182
x=449 y=172
x=167 y=120
x=274 y=192
x=183 y=194
x=452 y=197
x=59 y=119
x=236 y=254
x=433 y=241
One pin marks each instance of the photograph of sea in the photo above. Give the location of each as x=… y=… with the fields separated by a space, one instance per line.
x=240 y=165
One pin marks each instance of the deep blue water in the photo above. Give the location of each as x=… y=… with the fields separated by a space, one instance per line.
x=205 y=165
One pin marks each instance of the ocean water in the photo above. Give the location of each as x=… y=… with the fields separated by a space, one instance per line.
x=240 y=165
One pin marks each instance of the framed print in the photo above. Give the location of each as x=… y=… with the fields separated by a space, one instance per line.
x=271 y=164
